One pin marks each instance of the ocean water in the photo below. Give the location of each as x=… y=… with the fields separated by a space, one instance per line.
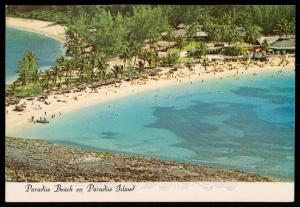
x=246 y=124
x=17 y=42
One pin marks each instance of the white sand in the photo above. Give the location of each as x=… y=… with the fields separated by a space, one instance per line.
x=16 y=120
x=48 y=29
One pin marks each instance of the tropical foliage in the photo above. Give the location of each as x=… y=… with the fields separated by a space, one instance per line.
x=28 y=68
x=234 y=50
x=97 y=33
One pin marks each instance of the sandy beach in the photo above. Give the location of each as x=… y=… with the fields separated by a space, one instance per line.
x=62 y=103
x=49 y=29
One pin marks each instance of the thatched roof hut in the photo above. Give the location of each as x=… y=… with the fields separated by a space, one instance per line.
x=82 y=86
x=285 y=44
x=181 y=26
x=201 y=34
x=183 y=32
x=97 y=84
x=178 y=33
x=164 y=34
x=269 y=39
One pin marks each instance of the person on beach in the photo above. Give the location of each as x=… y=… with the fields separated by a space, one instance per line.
x=286 y=59
x=283 y=57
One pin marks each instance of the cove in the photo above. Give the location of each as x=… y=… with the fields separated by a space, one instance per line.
x=246 y=123
x=17 y=42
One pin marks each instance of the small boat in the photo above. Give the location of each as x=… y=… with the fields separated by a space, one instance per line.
x=42 y=121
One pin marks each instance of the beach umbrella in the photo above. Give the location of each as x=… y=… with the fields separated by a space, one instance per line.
x=30 y=98
x=82 y=86
x=156 y=70
x=97 y=84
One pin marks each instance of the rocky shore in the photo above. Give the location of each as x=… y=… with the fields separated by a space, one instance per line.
x=29 y=160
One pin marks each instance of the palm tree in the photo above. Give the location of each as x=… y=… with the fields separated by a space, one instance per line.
x=283 y=27
x=252 y=33
x=61 y=64
x=35 y=77
x=46 y=78
x=28 y=68
x=55 y=70
x=155 y=59
x=265 y=45
x=143 y=55
x=33 y=70
x=23 y=71
x=135 y=51
x=102 y=65
x=201 y=49
x=140 y=66
x=148 y=57
x=125 y=55
x=118 y=69
x=68 y=70
x=192 y=30
x=180 y=42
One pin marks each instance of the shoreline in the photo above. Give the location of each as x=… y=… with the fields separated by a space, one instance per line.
x=48 y=29
x=34 y=160
x=18 y=120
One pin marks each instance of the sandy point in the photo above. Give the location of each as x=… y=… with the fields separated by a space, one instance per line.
x=49 y=29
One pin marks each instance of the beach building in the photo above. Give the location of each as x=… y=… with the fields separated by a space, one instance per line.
x=284 y=44
x=269 y=39
x=182 y=31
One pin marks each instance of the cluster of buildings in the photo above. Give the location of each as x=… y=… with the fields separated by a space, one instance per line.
x=277 y=43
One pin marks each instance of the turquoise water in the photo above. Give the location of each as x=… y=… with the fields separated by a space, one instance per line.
x=247 y=124
x=17 y=42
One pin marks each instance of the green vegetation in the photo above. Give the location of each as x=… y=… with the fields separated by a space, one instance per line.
x=234 y=50
x=99 y=32
x=170 y=59
x=264 y=16
x=28 y=68
x=29 y=90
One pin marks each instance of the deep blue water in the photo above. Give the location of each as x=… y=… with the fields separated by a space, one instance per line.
x=17 y=42
x=247 y=124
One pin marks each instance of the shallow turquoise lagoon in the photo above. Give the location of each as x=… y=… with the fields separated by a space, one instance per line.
x=17 y=42
x=247 y=124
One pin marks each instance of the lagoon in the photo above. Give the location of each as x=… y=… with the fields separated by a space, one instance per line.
x=19 y=41
x=246 y=123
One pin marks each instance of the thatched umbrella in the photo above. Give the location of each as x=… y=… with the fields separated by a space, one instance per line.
x=82 y=86
x=156 y=70
x=174 y=69
x=66 y=91
x=152 y=73
x=112 y=81
x=30 y=98
x=189 y=65
x=97 y=84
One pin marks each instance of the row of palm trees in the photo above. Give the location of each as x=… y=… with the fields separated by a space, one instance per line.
x=89 y=67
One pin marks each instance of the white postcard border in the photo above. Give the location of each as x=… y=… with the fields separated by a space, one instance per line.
x=152 y=192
